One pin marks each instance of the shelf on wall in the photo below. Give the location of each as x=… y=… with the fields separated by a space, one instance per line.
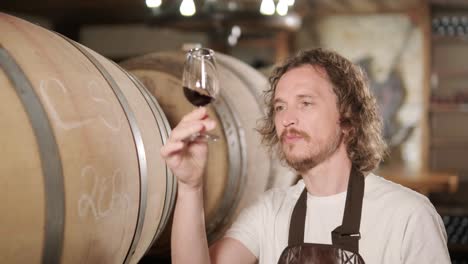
x=438 y=107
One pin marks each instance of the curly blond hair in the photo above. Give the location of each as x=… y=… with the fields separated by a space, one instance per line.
x=356 y=105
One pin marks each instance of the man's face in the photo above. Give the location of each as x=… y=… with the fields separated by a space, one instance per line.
x=306 y=117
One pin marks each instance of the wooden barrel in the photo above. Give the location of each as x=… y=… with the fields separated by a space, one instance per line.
x=239 y=168
x=81 y=177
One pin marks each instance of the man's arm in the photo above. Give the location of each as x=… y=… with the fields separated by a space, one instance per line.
x=187 y=160
x=188 y=241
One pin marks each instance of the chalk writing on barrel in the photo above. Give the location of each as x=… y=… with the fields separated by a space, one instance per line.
x=104 y=198
x=54 y=92
x=97 y=95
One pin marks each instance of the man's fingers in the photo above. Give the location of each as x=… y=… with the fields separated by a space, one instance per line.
x=197 y=114
x=193 y=123
x=186 y=130
x=171 y=147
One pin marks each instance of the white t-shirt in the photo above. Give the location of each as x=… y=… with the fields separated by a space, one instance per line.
x=398 y=225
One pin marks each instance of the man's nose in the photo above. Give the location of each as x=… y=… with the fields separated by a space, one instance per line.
x=289 y=119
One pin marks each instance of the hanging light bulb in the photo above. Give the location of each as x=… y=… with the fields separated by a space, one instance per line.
x=267 y=7
x=282 y=8
x=153 y=3
x=290 y=2
x=236 y=31
x=187 y=8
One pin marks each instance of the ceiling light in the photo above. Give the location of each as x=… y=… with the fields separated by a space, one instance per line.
x=292 y=21
x=267 y=7
x=236 y=31
x=153 y=3
x=232 y=40
x=187 y=8
x=232 y=6
x=282 y=8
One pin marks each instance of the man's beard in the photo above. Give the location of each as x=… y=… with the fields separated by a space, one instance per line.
x=312 y=158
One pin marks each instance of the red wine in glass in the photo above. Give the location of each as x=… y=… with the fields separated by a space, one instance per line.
x=197 y=98
x=200 y=82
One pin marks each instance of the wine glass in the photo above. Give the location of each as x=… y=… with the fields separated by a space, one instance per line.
x=200 y=82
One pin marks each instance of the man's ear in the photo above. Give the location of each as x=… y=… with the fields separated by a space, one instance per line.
x=347 y=129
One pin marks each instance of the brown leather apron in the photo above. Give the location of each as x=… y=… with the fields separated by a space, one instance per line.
x=345 y=238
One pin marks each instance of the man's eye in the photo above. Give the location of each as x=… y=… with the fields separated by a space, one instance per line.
x=278 y=108
x=306 y=103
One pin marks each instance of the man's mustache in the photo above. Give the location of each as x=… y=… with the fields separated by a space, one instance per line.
x=293 y=131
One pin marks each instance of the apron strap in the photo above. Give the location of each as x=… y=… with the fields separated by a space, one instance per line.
x=347 y=235
x=296 y=227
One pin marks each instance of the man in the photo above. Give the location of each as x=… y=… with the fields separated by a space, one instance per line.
x=322 y=121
